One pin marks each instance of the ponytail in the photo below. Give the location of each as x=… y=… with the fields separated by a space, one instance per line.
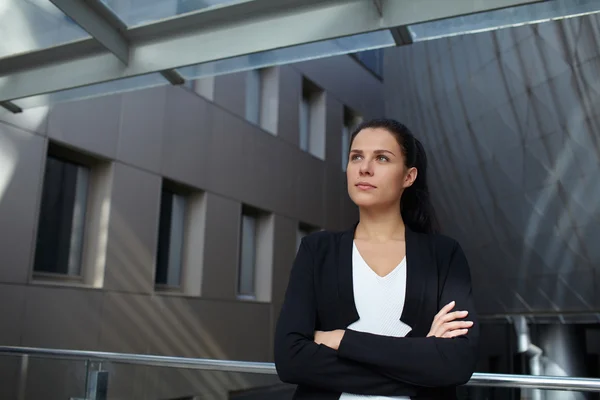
x=416 y=209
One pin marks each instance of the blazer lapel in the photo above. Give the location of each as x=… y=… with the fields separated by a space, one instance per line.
x=346 y=287
x=417 y=262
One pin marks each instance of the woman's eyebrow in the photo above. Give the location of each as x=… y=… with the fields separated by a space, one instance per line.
x=375 y=151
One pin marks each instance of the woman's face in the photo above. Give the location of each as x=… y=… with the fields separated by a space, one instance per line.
x=376 y=173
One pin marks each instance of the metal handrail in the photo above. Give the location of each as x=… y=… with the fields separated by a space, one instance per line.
x=478 y=379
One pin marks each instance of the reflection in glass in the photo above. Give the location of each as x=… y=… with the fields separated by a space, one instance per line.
x=62 y=218
x=28 y=25
x=169 y=256
x=141 y=12
x=247 y=263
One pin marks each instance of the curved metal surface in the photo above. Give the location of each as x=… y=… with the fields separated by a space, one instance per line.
x=478 y=379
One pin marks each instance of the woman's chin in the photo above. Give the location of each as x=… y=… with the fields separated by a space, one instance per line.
x=363 y=202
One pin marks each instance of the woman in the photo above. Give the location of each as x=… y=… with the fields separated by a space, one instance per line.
x=368 y=311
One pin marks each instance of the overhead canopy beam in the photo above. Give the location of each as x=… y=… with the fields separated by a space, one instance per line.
x=93 y=17
x=401 y=35
x=12 y=107
x=245 y=27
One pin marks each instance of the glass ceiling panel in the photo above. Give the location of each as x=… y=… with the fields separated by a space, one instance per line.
x=350 y=44
x=28 y=25
x=304 y=52
x=140 y=12
x=513 y=16
x=118 y=86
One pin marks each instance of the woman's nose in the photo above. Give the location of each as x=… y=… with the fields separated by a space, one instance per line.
x=365 y=168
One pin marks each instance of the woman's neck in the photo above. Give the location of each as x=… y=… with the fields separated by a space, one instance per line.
x=380 y=226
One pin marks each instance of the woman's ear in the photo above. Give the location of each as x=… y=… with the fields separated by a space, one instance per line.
x=411 y=176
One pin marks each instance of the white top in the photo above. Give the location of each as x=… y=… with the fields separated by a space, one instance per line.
x=379 y=302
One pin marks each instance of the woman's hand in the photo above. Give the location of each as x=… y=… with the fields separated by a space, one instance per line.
x=445 y=326
x=331 y=339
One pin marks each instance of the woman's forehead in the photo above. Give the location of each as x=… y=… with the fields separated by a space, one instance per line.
x=375 y=138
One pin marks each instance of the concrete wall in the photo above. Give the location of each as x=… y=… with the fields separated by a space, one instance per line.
x=511 y=122
x=141 y=137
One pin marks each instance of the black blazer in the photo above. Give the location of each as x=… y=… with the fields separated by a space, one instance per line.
x=320 y=296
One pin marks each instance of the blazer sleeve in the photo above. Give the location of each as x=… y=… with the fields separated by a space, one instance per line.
x=299 y=360
x=425 y=361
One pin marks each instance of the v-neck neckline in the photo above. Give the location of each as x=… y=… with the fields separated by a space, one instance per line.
x=419 y=264
x=399 y=266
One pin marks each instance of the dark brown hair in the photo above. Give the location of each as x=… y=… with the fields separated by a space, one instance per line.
x=415 y=205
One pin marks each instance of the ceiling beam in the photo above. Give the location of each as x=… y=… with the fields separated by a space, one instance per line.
x=10 y=106
x=97 y=20
x=401 y=35
x=245 y=27
x=379 y=6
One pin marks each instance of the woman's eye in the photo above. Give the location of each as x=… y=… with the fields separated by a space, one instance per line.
x=382 y=158
x=355 y=157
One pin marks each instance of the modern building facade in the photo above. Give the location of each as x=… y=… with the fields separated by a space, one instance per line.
x=165 y=221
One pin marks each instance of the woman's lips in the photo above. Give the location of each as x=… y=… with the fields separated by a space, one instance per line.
x=365 y=186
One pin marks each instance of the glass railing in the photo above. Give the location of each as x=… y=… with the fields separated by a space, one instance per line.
x=89 y=375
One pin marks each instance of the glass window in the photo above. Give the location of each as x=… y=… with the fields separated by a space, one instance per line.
x=312 y=119
x=60 y=234
x=169 y=257
x=247 y=262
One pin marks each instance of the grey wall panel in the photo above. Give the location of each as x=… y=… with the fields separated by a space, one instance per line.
x=133 y=230
x=333 y=198
x=186 y=133
x=223 y=216
x=348 y=81
x=91 y=125
x=283 y=258
x=133 y=381
x=142 y=131
x=230 y=92
x=226 y=165
x=62 y=318
x=10 y=371
x=290 y=92
x=509 y=119
x=21 y=169
x=55 y=379
x=129 y=322
x=202 y=328
x=12 y=307
x=333 y=126
x=335 y=177
x=309 y=185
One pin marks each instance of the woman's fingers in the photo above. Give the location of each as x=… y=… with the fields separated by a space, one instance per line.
x=452 y=326
x=458 y=326
x=444 y=323
x=445 y=310
x=454 y=315
x=455 y=333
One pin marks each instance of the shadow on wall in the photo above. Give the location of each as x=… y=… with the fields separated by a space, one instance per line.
x=162 y=324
